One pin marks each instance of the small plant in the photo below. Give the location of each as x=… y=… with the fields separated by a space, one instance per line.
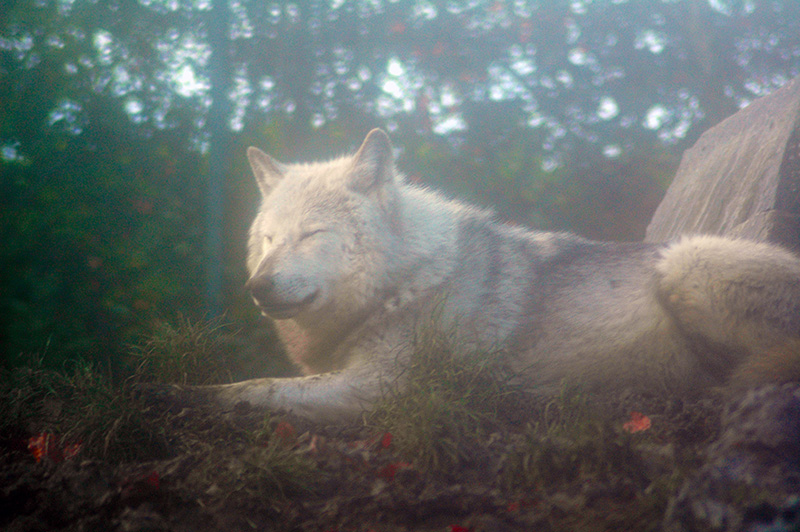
x=188 y=352
x=569 y=439
x=271 y=465
x=80 y=407
x=448 y=401
x=107 y=419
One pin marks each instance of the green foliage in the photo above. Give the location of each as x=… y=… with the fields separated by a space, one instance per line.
x=97 y=236
x=446 y=401
x=271 y=467
x=589 y=194
x=190 y=352
x=570 y=440
x=82 y=406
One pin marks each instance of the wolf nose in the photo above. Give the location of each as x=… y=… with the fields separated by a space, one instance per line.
x=260 y=288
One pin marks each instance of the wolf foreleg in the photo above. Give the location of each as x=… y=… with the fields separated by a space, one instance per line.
x=338 y=395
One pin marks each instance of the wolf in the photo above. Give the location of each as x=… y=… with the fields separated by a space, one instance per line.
x=347 y=257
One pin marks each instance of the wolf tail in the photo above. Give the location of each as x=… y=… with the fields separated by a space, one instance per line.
x=740 y=302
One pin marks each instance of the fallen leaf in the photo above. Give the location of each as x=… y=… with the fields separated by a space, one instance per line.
x=391 y=470
x=637 y=423
x=153 y=480
x=38 y=445
x=48 y=445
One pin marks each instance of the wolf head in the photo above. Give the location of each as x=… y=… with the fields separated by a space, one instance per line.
x=325 y=235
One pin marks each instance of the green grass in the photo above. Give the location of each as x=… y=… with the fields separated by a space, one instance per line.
x=446 y=402
x=187 y=352
x=456 y=415
x=568 y=440
x=452 y=405
x=80 y=405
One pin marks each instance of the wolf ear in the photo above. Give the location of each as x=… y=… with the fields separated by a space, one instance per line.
x=373 y=164
x=267 y=170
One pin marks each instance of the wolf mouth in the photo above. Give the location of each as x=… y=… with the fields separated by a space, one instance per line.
x=282 y=311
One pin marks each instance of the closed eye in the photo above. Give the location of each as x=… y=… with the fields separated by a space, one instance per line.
x=308 y=234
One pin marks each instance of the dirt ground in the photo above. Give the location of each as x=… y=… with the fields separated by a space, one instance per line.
x=239 y=472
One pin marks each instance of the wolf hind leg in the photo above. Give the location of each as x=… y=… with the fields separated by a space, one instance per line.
x=738 y=303
x=776 y=365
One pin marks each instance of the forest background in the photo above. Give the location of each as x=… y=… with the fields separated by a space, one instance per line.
x=125 y=194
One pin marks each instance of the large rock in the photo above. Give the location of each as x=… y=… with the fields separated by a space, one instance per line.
x=751 y=477
x=741 y=178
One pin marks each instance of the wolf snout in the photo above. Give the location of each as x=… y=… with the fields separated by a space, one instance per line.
x=275 y=304
x=260 y=288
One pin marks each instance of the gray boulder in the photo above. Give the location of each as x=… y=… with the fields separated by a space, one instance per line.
x=741 y=178
x=751 y=477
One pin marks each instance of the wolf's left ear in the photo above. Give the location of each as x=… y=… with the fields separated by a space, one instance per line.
x=267 y=170
x=373 y=164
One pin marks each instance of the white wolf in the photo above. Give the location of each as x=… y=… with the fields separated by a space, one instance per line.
x=347 y=257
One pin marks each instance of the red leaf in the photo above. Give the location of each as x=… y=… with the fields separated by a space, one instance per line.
x=38 y=445
x=153 y=480
x=637 y=423
x=49 y=445
x=386 y=441
x=391 y=470
x=71 y=450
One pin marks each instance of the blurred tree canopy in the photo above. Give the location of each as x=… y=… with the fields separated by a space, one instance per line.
x=123 y=124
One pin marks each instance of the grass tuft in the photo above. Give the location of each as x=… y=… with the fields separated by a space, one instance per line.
x=446 y=402
x=82 y=406
x=568 y=440
x=187 y=352
x=272 y=466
